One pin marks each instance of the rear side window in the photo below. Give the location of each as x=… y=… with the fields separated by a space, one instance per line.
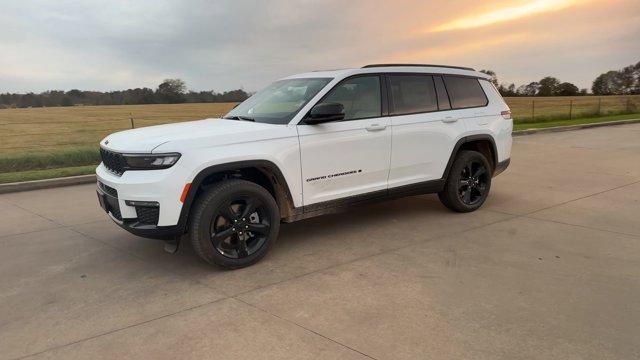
x=443 y=98
x=412 y=94
x=465 y=92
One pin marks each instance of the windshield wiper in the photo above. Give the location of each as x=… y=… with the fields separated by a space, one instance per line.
x=245 y=118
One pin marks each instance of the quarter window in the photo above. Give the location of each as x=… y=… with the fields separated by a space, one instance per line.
x=465 y=92
x=412 y=94
x=360 y=97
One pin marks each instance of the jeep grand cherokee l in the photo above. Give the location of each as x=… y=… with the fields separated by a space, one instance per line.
x=307 y=145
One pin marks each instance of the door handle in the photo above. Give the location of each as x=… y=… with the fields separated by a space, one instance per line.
x=375 y=127
x=449 y=119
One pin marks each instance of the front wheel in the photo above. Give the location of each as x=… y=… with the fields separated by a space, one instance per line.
x=468 y=183
x=234 y=223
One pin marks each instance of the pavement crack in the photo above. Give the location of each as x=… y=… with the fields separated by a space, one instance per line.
x=304 y=328
x=119 y=329
x=144 y=261
x=581 y=198
x=583 y=226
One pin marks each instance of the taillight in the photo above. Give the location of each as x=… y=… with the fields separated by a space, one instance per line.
x=506 y=114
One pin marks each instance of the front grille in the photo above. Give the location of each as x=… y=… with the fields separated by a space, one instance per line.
x=113 y=161
x=148 y=215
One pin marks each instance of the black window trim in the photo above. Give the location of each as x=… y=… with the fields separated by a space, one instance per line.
x=446 y=92
x=486 y=99
x=384 y=102
x=385 y=92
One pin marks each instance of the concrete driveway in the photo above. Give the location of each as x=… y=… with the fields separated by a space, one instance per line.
x=549 y=268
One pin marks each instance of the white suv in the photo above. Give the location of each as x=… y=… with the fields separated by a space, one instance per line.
x=307 y=145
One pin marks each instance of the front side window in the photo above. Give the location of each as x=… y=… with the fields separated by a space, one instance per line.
x=360 y=97
x=279 y=102
x=465 y=92
x=412 y=94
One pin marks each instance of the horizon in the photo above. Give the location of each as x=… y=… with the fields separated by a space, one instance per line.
x=74 y=45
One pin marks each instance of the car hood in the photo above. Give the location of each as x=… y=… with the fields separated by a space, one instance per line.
x=214 y=131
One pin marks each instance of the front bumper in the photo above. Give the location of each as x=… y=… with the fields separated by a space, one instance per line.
x=116 y=194
x=143 y=225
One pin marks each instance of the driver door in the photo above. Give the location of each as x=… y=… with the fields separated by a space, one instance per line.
x=349 y=157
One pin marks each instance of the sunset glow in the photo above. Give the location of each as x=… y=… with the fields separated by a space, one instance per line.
x=505 y=14
x=127 y=44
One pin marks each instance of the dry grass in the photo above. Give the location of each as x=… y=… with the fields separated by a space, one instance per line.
x=534 y=109
x=61 y=128
x=38 y=129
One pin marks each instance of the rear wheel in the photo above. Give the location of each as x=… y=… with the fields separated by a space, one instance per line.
x=234 y=223
x=468 y=183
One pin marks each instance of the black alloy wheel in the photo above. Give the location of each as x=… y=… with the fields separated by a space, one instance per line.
x=468 y=183
x=472 y=186
x=234 y=223
x=240 y=227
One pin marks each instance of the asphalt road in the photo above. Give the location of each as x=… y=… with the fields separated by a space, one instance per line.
x=549 y=268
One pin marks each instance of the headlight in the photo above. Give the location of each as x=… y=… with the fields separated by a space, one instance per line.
x=150 y=161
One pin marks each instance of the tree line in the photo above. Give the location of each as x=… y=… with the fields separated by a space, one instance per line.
x=625 y=81
x=170 y=91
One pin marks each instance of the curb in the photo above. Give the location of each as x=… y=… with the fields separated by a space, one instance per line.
x=573 y=127
x=86 y=179
x=46 y=184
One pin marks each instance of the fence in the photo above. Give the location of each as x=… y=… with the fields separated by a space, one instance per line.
x=44 y=129
x=537 y=109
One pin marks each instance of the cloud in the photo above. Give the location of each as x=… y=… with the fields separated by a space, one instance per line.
x=506 y=13
x=106 y=45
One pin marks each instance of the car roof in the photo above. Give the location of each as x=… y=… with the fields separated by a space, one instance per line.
x=391 y=68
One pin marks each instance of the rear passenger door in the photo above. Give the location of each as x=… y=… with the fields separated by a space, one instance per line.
x=424 y=128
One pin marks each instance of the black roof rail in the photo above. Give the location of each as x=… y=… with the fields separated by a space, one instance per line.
x=420 y=65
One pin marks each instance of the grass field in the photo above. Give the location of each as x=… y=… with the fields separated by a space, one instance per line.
x=54 y=128
x=538 y=109
x=41 y=143
x=579 y=121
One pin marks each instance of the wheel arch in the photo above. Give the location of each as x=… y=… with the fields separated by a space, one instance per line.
x=482 y=143
x=262 y=172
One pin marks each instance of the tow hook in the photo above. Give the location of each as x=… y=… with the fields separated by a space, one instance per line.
x=171 y=246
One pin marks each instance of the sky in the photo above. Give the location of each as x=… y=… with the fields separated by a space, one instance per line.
x=229 y=44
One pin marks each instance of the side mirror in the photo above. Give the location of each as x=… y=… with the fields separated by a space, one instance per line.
x=326 y=112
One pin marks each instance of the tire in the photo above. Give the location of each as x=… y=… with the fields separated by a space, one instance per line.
x=464 y=193
x=218 y=233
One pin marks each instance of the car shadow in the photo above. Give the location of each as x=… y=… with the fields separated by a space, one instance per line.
x=320 y=232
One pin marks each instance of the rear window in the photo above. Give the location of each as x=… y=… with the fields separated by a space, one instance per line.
x=465 y=92
x=412 y=94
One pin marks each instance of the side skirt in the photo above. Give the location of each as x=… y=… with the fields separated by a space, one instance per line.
x=339 y=205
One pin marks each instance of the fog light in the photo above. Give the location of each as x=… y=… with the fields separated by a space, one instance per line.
x=141 y=203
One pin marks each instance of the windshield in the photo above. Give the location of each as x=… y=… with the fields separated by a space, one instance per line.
x=279 y=102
